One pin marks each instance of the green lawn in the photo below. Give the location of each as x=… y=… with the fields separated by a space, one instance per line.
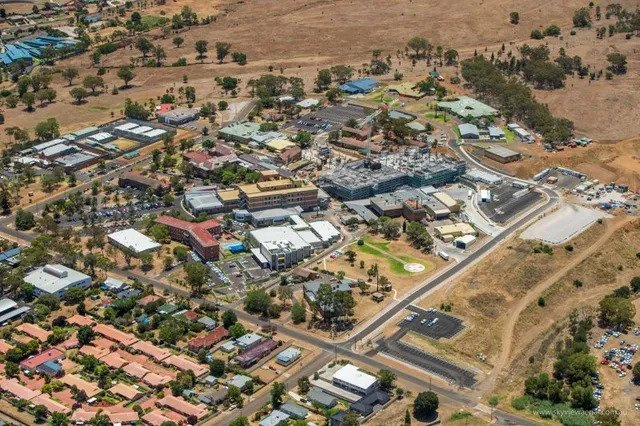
x=382 y=245
x=509 y=135
x=380 y=248
x=153 y=21
x=441 y=117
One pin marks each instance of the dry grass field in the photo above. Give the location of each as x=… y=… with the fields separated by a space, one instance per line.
x=498 y=300
x=302 y=37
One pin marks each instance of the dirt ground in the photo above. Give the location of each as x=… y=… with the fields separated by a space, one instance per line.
x=265 y=31
x=607 y=162
x=486 y=295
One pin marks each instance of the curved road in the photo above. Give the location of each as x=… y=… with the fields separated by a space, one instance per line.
x=344 y=348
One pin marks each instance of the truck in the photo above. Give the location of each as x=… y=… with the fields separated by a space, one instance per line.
x=469 y=194
x=443 y=255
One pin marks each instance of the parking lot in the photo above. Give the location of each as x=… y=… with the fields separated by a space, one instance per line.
x=235 y=274
x=503 y=206
x=431 y=363
x=431 y=323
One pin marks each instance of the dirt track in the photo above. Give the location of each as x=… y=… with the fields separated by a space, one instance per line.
x=533 y=294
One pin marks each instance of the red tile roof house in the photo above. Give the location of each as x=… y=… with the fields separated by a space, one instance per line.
x=207 y=341
x=155 y=418
x=33 y=362
x=14 y=388
x=127 y=392
x=4 y=347
x=183 y=363
x=115 y=335
x=89 y=388
x=51 y=405
x=80 y=320
x=199 y=236
x=151 y=350
x=148 y=299
x=34 y=331
x=156 y=380
x=135 y=370
x=183 y=407
x=123 y=418
x=114 y=360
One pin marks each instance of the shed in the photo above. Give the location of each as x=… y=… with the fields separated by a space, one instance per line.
x=464 y=242
x=294 y=410
x=469 y=131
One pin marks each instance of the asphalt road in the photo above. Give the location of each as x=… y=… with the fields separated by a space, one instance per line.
x=343 y=348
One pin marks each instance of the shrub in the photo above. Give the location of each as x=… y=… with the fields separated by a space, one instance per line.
x=537 y=35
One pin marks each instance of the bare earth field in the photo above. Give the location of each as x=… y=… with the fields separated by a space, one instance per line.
x=302 y=37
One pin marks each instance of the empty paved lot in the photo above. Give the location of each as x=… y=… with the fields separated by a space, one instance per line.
x=431 y=363
x=446 y=327
x=563 y=224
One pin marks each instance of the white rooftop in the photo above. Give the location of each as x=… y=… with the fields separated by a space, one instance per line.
x=140 y=130
x=101 y=136
x=155 y=132
x=53 y=278
x=127 y=126
x=273 y=235
x=134 y=240
x=352 y=375
x=325 y=230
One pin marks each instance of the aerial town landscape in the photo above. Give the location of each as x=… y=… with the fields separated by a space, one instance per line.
x=331 y=212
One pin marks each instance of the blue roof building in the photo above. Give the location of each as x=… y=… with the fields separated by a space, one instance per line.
x=288 y=356
x=364 y=85
x=27 y=50
x=49 y=368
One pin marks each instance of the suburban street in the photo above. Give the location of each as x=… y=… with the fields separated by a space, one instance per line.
x=344 y=348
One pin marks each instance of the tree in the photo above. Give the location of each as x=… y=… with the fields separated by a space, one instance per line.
x=74 y=295
x=229 y=318
x=636 y=371
x=635 y=284
x=177 y=41
x=323 y=80
x=333 y=94
x=351 y=419
x=239 y=58
x=608 y=417
x=351 y=256
x=93 y=82
x=47 y=94
x=514 y=18
x=58 y=419
x=277 y=392
x=201 y=49
x=618 y=63
x=298 y=313
x=144 y=45
x=222 y=50
x=197 y=275
x=70 y=74
x=257 y=301
x=304 y=385
x=135 y=110
x=160 y=233
x=387 y=379
x=79 y=94
x=217 y=367
x=425 y=405
x=237 y=330
x=390 y=229
x=159 y=54
x=451 y=57
x=11 y=369
x=240 y=421
x=616 y=312
x=582 y=18
x=419 y=45
x=40 y=412
x=126 y=74
x=407 y=418
x=85 y=335
x=28 y=99
x=24 y=220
